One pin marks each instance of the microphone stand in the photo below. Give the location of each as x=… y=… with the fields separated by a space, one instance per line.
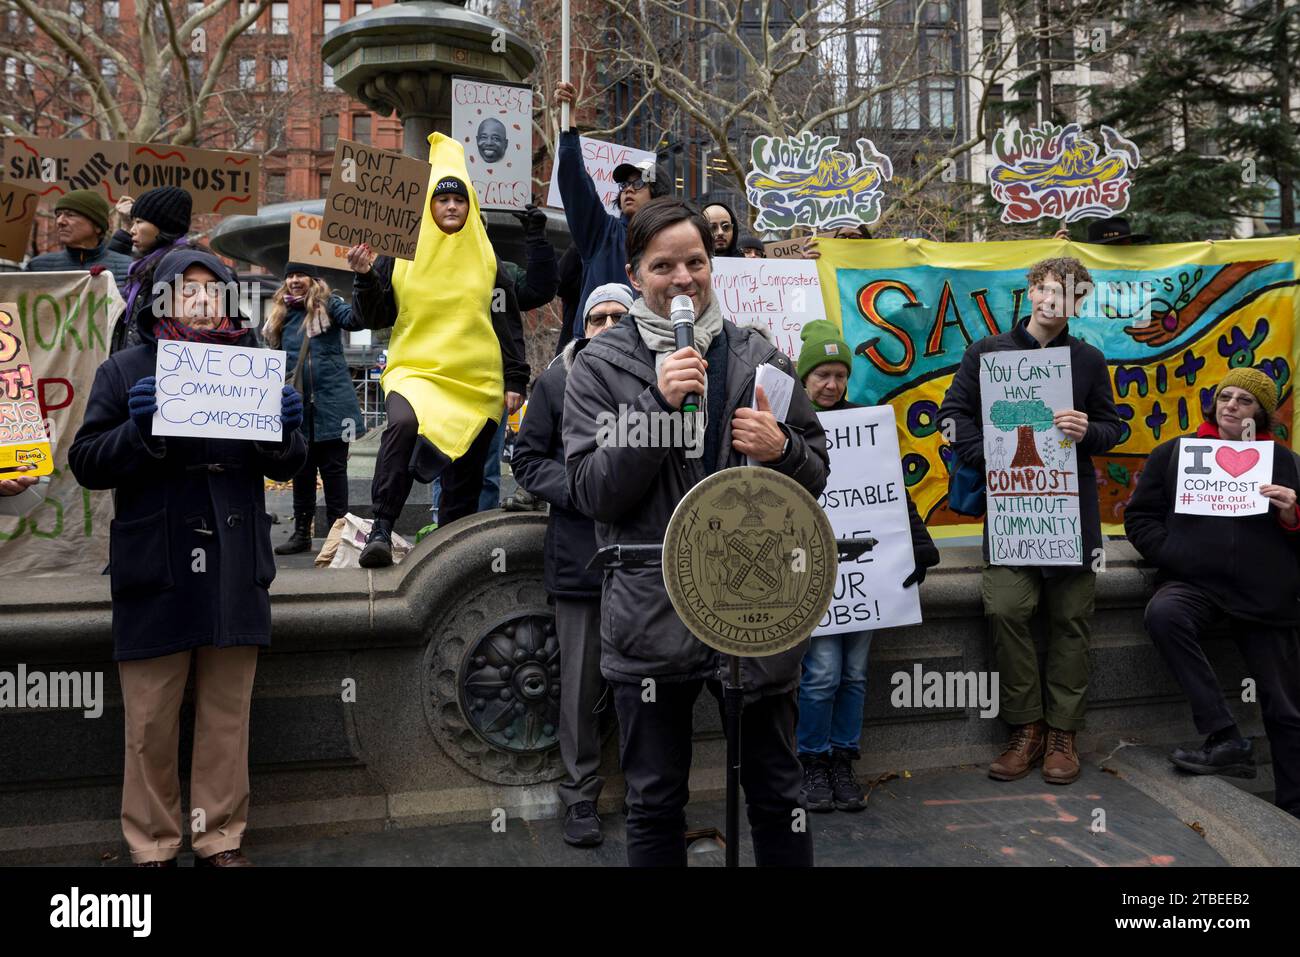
x=650 y=555
x=733 y=704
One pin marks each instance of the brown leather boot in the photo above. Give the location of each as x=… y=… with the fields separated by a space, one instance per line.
x=1061 y=764
x=1022 y=752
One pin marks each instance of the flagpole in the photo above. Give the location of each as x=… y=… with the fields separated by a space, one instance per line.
x=564 y=60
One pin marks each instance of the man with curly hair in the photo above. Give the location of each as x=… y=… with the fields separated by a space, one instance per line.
x=1043 y=724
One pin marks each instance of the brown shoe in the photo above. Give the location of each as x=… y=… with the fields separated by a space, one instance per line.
x=1061 y=764
x=233 y=858
x=1022 y=753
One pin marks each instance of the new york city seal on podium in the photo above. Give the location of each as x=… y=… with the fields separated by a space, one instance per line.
x=750 y=561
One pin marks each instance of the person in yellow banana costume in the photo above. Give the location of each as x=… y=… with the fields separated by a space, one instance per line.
x=446 y=376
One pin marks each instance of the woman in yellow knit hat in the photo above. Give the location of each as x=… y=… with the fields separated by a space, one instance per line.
x=444 y=380
x=1239 y=570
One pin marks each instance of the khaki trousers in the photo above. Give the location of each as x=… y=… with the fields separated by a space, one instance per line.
x=152 y=690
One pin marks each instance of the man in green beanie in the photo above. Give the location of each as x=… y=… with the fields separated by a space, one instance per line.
x=81 y=225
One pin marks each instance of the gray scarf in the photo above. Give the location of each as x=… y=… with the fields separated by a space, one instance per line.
x=657 y=333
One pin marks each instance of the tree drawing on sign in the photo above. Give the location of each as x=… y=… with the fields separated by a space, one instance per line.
x=1024 y=417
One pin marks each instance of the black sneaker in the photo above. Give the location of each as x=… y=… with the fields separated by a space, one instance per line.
x=1233 y=757
x=815 y=794
x=378 y=552
x=845 y=790
x=582 y=825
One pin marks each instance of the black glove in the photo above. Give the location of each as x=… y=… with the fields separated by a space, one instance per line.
x=533 y=220
x=915 y=578
x=142 y=403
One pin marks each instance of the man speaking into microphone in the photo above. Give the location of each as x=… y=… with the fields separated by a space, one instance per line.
x=655 y=666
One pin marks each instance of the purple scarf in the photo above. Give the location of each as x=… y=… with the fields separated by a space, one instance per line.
x=141 y=269
x=226 y=333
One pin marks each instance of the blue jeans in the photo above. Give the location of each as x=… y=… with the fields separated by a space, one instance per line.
x=491 y=494
x=833 y=692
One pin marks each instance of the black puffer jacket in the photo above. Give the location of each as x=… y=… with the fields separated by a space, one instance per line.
x=631 y=493
x=538 y=466
x=1247 y=563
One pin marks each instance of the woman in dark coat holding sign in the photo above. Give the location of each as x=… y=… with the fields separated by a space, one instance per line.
x=305 y=309
x=1242 y=570
x=190 y=566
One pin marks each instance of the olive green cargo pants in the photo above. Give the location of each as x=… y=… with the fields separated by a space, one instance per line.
x=1011 y=596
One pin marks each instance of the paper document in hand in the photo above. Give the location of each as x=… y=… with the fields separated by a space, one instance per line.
x=778 y=387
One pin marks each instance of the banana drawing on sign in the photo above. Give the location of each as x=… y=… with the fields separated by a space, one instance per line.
x=1057 y=172
x=803 y=180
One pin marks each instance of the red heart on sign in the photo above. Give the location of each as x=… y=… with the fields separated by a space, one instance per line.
x=1234 y=462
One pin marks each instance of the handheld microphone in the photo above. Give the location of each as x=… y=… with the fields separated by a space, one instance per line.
x=683 y=317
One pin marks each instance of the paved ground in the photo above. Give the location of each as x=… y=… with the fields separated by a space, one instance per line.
x=952 y=817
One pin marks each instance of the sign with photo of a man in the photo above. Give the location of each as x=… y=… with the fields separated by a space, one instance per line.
x=494 y=122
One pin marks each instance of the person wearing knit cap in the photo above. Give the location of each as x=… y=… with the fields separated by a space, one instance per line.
x=1261 y=388
x=1236 y=574
x=452 y=356
x=613 y=292
x=81 y=225
x=833 y=679
x=190 y=563
x=825 y=352
x=538 y=465
x=159 y=222
x=751 y=247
